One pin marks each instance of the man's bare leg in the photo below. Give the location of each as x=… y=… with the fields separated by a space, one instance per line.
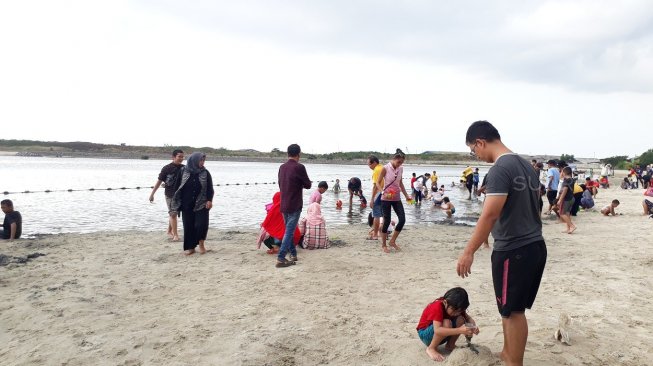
x=515 y=334
x=173 y=228
x=375 y=228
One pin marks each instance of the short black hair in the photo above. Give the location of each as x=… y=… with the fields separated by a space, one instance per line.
x=567 y=170
x=616 y=202
x=294 y=150
x=373 y=159
x=323 y=184
x=176 y=151
x=457 y=298
x=7 y=203
x=482 y=130
x=446 y=199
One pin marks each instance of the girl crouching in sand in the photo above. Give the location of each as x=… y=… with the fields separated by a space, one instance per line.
x=443 y=321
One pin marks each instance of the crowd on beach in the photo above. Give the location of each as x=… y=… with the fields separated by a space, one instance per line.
x=512 y=214
x=514 y=193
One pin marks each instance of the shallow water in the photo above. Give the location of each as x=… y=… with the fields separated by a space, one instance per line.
x=243 y=189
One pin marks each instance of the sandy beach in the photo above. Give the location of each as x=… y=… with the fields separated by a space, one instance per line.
x=131 y=298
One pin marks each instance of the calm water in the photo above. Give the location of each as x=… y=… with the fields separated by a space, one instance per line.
x=236 y=203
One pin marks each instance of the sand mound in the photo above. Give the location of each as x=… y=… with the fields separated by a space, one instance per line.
x=465 y=357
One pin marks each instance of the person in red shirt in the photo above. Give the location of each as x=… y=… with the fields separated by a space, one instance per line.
x=593 y=186
x=444 y=320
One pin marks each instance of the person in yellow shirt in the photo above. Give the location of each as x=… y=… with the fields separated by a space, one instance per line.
x=375 y=205
x=434 y=182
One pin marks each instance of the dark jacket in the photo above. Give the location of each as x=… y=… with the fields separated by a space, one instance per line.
x=292 y=180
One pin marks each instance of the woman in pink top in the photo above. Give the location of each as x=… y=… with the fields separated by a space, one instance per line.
x=391 y=175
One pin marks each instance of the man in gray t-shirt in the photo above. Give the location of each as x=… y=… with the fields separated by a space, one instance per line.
x=519 y=223
x=511 y=212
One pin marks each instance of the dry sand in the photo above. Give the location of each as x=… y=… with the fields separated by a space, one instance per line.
x=131 y=298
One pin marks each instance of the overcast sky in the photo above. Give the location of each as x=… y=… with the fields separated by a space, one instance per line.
x=554 y=77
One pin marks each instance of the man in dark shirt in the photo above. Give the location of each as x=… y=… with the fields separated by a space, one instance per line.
x=12 y=226
x=170 y=175
x=512 y=212
x=292 y=180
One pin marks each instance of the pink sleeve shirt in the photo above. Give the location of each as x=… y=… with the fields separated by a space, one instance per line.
x=315 y=197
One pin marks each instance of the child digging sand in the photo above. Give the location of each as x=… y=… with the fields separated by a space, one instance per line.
x=609 y=209
x=443 y=321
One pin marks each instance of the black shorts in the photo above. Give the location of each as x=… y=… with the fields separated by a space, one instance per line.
x=551 y=196
x=516 y=275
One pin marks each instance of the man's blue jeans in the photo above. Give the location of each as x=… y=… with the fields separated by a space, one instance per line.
x=287 y=245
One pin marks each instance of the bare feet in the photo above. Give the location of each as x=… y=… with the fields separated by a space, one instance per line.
x=175 y=238
x=499 y=355
x=385 y=249
x=434 y=355
x=572 y=230
x=189 y=252
x=394 y=245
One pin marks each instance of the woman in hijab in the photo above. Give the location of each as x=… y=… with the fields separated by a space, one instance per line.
x=194 y=199
x=313 y=227
x=273 y=227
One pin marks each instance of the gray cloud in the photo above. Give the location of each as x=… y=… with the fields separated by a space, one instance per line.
x=596 y=46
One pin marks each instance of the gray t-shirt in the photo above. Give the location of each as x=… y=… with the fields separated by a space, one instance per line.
x=519 y=223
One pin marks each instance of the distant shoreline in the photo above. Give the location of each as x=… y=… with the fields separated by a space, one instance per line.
x=138 y=156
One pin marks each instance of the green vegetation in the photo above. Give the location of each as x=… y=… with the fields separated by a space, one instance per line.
x=567 y=158
x=88 y=149
x=615 y=160
x=646 y=158
x=622 y=161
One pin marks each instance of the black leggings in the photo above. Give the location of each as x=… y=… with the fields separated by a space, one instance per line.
x=387 y=213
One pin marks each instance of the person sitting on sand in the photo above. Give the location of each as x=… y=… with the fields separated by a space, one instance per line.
x=625 y=184
x=273 y=227
x=12 y=225
x=592 y=186
x=609 y=209
x=313 y=228
x=443 y=321
x=587 y=201
x=449 y=208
